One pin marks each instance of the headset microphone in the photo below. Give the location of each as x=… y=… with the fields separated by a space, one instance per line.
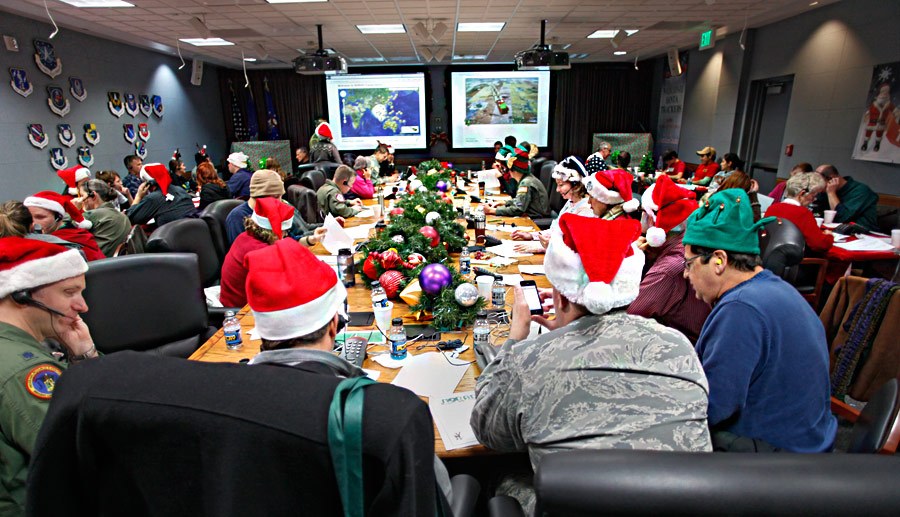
x=24 y=298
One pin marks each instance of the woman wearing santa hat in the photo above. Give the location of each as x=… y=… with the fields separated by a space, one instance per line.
x=158 y=199
x=49 y=209
x=610 y=193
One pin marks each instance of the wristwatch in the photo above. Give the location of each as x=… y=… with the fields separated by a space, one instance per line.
x=82 y=357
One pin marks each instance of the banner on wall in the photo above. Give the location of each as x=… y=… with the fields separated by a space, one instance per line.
x=671 y=107
x=878 y=136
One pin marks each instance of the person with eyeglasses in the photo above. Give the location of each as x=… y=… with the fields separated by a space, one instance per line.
x=801 y=190
x=762 y=347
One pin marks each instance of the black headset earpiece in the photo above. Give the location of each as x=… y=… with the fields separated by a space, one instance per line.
x=23 y=297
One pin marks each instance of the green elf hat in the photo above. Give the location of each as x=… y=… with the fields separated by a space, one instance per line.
x=725 y=222
x=504 y=153
x=521 y=157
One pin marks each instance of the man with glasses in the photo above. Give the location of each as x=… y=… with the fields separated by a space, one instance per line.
x=762 y=347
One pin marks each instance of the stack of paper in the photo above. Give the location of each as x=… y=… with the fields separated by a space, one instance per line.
x=429 y=375
x=451 y=414
x=527 y=269
x=506 y=249
x=865 y=243
x=368 y=212
x=336 y=237
x=359 y=232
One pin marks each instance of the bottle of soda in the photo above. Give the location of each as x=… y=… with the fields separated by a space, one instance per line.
x=232 y=331
x=397 y=337
x=498 y=294
x=379 y=297
x=465 y=262
x=479 y=227
x=482 y=330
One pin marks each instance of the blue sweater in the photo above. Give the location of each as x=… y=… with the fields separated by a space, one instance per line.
x=764 y=353
x=239 y=184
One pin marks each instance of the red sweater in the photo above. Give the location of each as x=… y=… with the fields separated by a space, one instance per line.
x=816 y=240
x=234 y=274
x=706 y=171
x=84 y=238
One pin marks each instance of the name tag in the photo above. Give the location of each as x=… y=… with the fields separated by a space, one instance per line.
x=522 y=190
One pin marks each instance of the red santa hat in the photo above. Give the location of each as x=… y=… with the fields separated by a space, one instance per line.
x=273 y=214
x=160 y=174
x=59 y=204
x=286 y=304
x=667 y=205
x=612 y=187
x=72 y=176
x=29 y=263
x=324 y=130
x=594 y=262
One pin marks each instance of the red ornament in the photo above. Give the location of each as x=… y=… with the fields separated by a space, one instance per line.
x=390 y=259
x=430 y=233
x=397 y=211
x=369 y=266
x=414 y=259
x=390 y=281
x=448 y=200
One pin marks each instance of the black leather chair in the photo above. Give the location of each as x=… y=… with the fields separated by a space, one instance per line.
x=304 y=200
x=629 y=482
x=189 y=236
x=545 y=173
x=328 y=168
x=130 y=434
x=305 y=167
x=781 y=246
x=147 y=302
x=875 y=428
x=537 y=162
x=313 y=179
x=214 y=216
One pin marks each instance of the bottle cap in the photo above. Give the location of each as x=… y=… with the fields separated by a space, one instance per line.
x=397 y=321
x=344 y=251
x=482 y=314
x=375 y=284
x=229 y=314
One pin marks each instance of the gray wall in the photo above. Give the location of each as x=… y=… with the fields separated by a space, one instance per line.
x=192 y=114
x=831 y=52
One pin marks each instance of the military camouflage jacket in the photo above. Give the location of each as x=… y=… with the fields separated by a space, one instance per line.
x=531 y=199
x=600 y=382
x=331 y=201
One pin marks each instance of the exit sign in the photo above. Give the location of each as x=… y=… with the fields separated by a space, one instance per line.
x=708 y=39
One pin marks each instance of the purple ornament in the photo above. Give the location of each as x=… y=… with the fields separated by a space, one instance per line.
x=442 y=185
x=434 y=277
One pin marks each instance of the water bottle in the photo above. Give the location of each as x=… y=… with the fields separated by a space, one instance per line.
x=479 y=227
x=498 y=294
x=232 y=331
x=482 y=330
x=465 y=262
x=346 y=269
x=379 y=297
x=397 y=337
x=482 y=165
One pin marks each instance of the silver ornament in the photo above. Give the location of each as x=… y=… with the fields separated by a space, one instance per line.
x=432 y=217
x=398 y=239
x=466 y=294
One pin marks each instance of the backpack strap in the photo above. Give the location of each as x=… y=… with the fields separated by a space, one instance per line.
x=345 y=442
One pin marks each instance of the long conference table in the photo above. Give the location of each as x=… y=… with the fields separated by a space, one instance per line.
x=359 y=300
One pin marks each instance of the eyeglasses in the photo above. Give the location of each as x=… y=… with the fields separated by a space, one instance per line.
x=687 y=263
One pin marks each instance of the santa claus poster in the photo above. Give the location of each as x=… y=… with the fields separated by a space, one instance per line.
x=878 y=137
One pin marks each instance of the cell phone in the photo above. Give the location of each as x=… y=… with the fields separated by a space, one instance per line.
x=532 y=297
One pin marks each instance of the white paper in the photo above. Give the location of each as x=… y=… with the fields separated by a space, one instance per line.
x=368 y=212
x=864 y=243
x=331 y=260
x=387 y=361
x=451 y=414
x=502 y=261
x=529 y=269
x=372 y=374
x=506 y=249
x=508 y=227
x=490 y=179
x=429 y=375
x=335 y=238
x=359 y=232
x=512 y=280
x=253 y=333
x=212 y=296
x=764 y=202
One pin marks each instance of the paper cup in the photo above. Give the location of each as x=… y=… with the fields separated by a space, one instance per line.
x=829 y=216
x=819 y=221
x=895 y=238
x=383 y=317
x=485 y=283
x=377 y=209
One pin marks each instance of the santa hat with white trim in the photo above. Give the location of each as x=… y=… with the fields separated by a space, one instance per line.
x=612 y=187
x=59 y=204
x=72 y=176
x=28 y=263
x=668 y=207
x=286 y=304
x=324 y=130
x=160 y=174
x=570 y=169
x=273 y=214
x=594 y=262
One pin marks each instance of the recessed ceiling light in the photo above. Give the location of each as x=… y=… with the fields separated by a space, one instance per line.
x=480 y=27
x=206 y=42
x=382 y=29
x=813 y=3
x=620 y=52
x=477 y=57
x=97 y=3
x=404 y=58
x=250 y=59
x=578 y=56
x=566 y=46
x=610 y=33
x=293 y=1
x=367 y=59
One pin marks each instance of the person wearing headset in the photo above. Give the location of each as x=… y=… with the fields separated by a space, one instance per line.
x=109 y=226
x=331 y=194
x=40 y=298
x=49 y=211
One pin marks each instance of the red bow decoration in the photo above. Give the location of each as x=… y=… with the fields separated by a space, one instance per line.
x=439 y=137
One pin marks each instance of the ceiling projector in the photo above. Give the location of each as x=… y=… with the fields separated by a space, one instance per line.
x=540 y=57
x=320 y=61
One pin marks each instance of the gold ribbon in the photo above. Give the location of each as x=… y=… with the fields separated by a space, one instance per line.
x=422 y=315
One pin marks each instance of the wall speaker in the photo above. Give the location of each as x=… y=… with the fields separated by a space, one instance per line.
x=674 y=62
x=197 y=72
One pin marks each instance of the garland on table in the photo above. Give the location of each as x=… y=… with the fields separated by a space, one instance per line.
x=431 y=171
x=422 y=231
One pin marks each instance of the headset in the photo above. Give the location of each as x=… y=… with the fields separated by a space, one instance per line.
x=24 y=298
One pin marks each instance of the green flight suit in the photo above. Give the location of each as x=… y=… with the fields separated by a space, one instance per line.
x=531 y=199
x=332 y=201
x=28 y=374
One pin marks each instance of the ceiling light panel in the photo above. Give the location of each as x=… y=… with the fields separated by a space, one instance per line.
x=382 y=29
x=97 y=3
x=609 y=33
x=480 y=27
x=206 y=42
x=294 y=1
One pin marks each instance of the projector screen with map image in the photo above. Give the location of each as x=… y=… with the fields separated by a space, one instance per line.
x=488 y=106
x=366 y=109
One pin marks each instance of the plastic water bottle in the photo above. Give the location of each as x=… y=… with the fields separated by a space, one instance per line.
x=397 y=337
x=465 y=262
x=232 y=331
x=346 y=269
x=482 y=330
x=379 y=297
x=498 y=294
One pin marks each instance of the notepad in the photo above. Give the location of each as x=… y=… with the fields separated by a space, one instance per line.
x=451 y=415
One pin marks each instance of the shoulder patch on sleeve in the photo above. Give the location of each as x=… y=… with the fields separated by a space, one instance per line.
x=522 y=190
x=41 y=380
x=340 y=197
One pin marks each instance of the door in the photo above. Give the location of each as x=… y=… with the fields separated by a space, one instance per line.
x=767 y=116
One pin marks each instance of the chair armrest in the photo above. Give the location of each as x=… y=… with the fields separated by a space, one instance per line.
x=465 y=494
x=843 y=410
x=543 y=222
x=504 y=506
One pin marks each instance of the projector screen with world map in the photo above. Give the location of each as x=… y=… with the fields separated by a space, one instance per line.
x=488 y=106
x=366 y=109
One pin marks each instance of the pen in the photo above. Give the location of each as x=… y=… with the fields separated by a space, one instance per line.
x=496 y=221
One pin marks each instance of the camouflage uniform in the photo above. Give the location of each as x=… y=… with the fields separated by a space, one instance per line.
x=27 y=377
x=331 y=201
x=531 y=199
x=613 y=381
